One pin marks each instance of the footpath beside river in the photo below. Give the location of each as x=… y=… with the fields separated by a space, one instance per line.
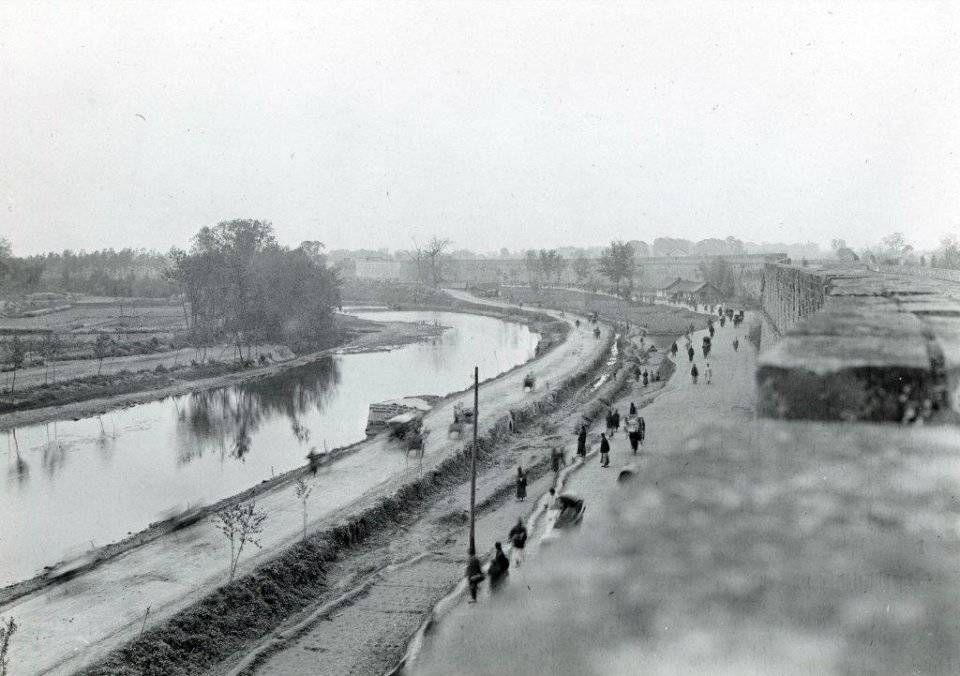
x=67 y=626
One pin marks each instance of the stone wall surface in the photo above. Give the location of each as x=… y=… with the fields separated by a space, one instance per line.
x=758 y=548
x=844 y=342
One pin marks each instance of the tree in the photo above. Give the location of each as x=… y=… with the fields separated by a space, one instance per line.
x=534 y=270
x=100 y=349
x=718 y=271
x=7 y=630
x=581 y=268
x=550 y=265
x=303 y=489
x=240 y=523
x=948 y=255
x=432 y=257
x=17 y=355
x=617 y=264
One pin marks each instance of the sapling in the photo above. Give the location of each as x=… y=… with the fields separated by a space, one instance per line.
x=303 y=489
x=240 y=523
x=7 y=630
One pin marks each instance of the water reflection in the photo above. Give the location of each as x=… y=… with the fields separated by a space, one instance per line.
x=101 y=477
x=230 y=417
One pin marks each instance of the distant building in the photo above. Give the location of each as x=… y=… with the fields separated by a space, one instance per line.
x=685 y=290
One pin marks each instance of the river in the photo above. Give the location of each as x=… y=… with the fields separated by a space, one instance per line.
x=71 y=486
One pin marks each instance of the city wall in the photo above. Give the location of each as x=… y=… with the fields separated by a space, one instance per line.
x=844 y=342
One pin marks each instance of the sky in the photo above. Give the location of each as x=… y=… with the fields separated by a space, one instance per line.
x=513 y=124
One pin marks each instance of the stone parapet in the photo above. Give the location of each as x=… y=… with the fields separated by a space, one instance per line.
x=757 y=548
x=848 y=343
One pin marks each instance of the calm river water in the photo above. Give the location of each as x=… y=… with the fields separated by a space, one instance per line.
x=69 y=486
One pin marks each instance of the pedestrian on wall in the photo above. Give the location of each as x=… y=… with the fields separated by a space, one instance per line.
x=673 y=349
x=518 y=537
x=616 y=420
x=690 y=352
x=500 y=564
x=557 y=459
x=604 y=450
x=609 y=422
x=582 y=441
x=709 y=373
x=646 y=378
x=694 y=373
x=633 y=432
x=474 y=576
x=521 y=484
x=736 y=344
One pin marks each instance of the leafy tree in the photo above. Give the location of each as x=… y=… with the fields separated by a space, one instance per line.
x=948 y=255
x=240 y=523
x=551 y=265
x=534 y=270
x=718 y=271
x=581 y=268
x=617 y=264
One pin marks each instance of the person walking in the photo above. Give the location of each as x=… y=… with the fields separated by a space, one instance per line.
x=616 y=420
x=604 y=450
x=557 y=459
x=500 y=564
x=694 y=372
x=609 y=422
x=673 y=349
x=633 y=408
x=518 y=537
x=736 y=344
x=521 y=484
x=690 y=352
x=582 y=441
x=642 y=428
x=708 y=373
x=646 y=379
x=474 y=577
x=712 y=330
x=723 y=321
x=633 y=432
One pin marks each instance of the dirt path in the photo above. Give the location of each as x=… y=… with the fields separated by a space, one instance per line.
x=72 y=624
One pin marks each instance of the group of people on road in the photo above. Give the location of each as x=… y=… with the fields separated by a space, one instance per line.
x=636 y=428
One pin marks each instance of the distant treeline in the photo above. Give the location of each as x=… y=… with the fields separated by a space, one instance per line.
x=237 y=281
x=127 y=272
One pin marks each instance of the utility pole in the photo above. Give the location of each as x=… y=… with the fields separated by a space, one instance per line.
x=473 y=457
x=474 y=570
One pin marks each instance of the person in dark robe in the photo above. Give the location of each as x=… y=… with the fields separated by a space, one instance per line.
x=673 y=349
x=582 y=441
x=736 y=344
x=646 y=379
x=694 y=372
x=690 y=352
x=642 y=426
x=604 y=450
x=474 y=576
x=557 y=459
x=521 y=484
x=633 y=431
x=518 y=538
x=500 y=564
x=633 y=408
x=616 y=420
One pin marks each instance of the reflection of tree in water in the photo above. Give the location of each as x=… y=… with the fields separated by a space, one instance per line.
x=19 y=471
x=232 y=415
x=54 y=454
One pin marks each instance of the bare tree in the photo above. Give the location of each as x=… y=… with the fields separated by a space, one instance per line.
x=432 y=255
x=17 y=355
x=617 y=264
x=7 y=630
x=100 y=349
x=303 y=489
x=581 y=268
x=240 y=523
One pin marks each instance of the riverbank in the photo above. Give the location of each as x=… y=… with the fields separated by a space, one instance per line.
x=171 y=573
x=382 y=591
x=172 y=374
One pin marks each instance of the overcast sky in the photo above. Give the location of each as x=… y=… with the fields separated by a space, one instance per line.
x=494 y=124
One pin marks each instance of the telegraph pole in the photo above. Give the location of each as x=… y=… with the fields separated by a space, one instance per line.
x=473 y=457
